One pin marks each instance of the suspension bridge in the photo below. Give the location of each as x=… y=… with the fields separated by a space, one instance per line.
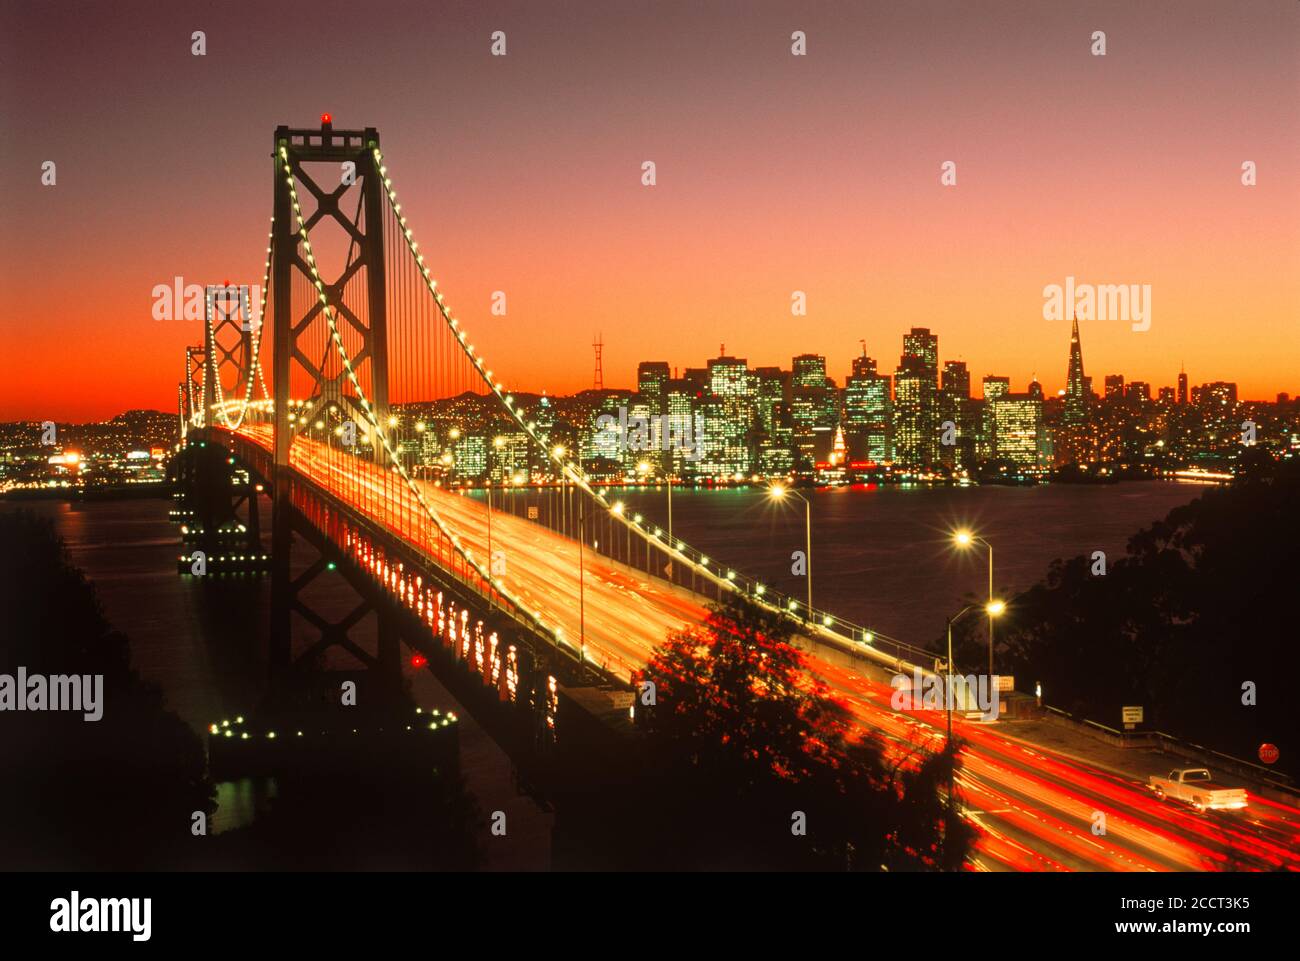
x=352 y=422
x=371 y=334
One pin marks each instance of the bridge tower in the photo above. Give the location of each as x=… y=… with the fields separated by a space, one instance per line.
x=227 y=339
x=336 y=171
x=181 y=421
x=196 y=381
x=353 y=178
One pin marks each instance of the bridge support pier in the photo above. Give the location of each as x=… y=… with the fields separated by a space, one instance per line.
x=299 y=677
x=211 y=489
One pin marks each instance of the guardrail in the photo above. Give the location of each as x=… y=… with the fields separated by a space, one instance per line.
x=1172 y=744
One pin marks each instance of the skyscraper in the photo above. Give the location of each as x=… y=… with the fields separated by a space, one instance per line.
x=1076 y=392
x=1077 y=440
x=956 y=380
x=921 y=343
x=772 y=420
x=679 y=404
x=955 y=406
x=771 y=386
x=1019 y=427
x=867 y=410
x=994 y=387
x=651 y=378
x=864 y=365
x=729 y=383
x=916 y=390
x=1182 y=386
x=803 y=422
x=814 y=406
x=808 y=370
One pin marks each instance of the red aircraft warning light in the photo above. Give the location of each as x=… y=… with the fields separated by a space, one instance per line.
x=418 y=660
x=325 y=120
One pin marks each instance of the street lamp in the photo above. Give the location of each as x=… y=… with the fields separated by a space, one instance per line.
x=558 y=452
x=644 y=468
x=618 y=509
x=964 y=539
x=498 y=443
x=778 y=492
x=993 y=609
x=582 y=588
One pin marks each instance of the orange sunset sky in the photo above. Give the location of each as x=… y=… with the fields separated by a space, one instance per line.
x=775 y=173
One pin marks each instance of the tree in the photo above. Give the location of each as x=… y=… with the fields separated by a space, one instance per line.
x=117 y=793
x=746 y=741
x=1194 y=623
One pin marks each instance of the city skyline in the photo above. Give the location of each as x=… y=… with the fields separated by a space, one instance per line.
x=1035 y=375
x=778 y=177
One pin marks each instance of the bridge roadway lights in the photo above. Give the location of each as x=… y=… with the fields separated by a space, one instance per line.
x=525 y=726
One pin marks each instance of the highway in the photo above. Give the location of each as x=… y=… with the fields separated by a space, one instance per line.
x=1034 y=809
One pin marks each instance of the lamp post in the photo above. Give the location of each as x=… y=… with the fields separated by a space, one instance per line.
x=558 y=452
x=487 y=486
x=668 y=479
x=498 y=443
x=993 y=609
x=963 y=539
x=778 y=492
x=582 y=600
x=618 y=509
x=644 y=468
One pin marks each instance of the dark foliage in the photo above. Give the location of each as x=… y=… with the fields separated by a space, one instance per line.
x=1203 y=602
x=741 y=738
x=373 y=819
x=115 y=793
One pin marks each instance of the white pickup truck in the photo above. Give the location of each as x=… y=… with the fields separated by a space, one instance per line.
x=1195 y=786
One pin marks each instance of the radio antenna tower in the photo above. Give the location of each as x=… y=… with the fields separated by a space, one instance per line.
x=597 y=344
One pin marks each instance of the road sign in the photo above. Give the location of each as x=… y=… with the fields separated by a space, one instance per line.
x=1132 y=715
x=1268 y=753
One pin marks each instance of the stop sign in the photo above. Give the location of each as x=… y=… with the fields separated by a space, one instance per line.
x=1268 y=753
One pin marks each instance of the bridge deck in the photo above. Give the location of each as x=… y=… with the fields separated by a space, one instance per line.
x=625 y=613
